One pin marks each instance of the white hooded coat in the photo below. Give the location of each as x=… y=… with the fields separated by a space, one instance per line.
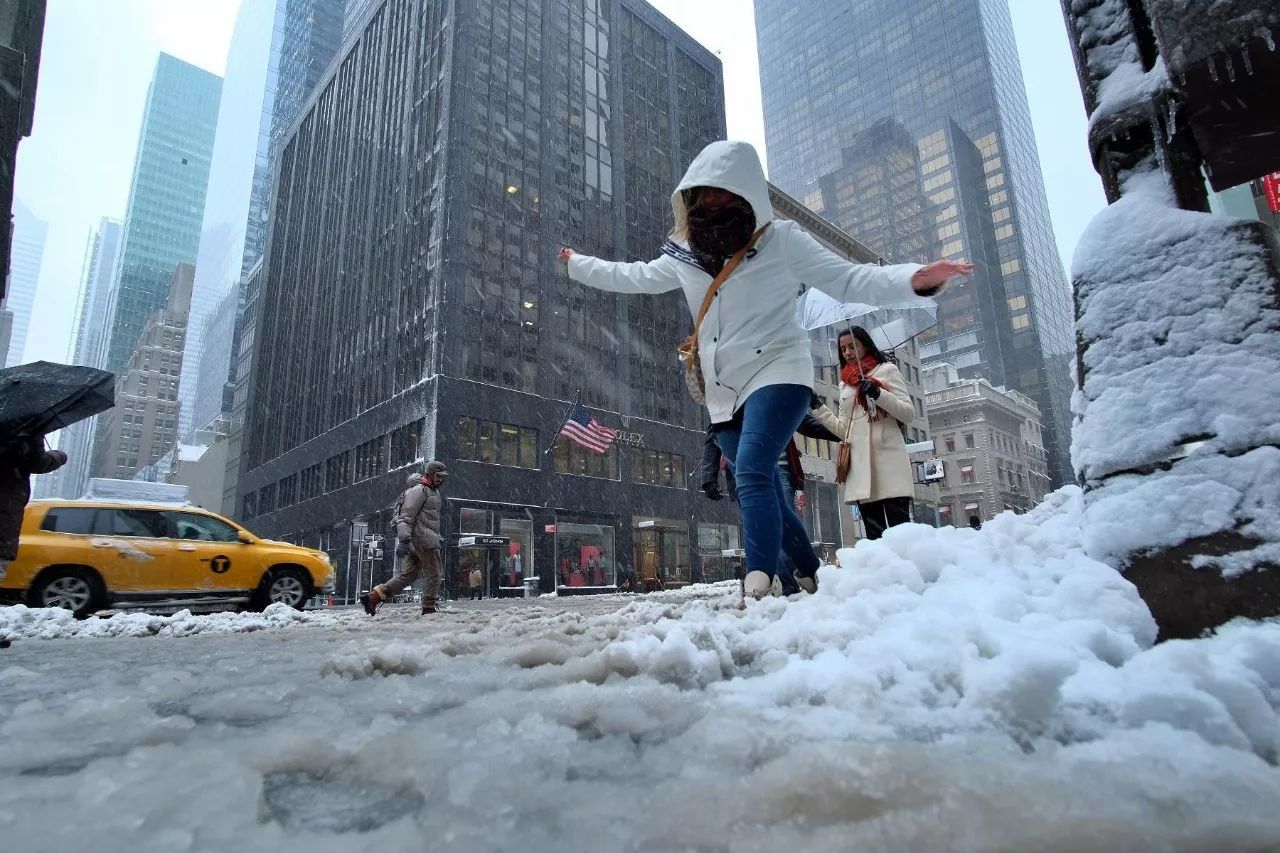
x=750 y=337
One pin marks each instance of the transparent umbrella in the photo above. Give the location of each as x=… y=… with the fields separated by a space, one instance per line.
x=890 y=326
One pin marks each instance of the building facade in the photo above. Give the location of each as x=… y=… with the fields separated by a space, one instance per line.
x=856 y=71
x=26 y=254
x=243 y=366
x=166 y=199
x=21 y=36
x=279 y=49
x=411 y=307
x=991 y=444
x=141 y=427
x=87 y=349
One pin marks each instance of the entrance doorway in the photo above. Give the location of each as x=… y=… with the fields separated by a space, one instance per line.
x=484 y=554
x=661 y=555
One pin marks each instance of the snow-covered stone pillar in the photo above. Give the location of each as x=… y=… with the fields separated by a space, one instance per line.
x=1178 y=324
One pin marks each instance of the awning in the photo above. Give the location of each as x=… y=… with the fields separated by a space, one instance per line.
x=483 y=541
x=945 y=510
x=970 y=506
x=967 y=469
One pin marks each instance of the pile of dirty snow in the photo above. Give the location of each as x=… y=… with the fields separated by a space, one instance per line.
x=20 y=622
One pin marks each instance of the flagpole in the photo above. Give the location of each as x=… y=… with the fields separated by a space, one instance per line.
x=576 y=401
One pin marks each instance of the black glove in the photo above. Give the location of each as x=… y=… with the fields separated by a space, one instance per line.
x=712 y=492
x=814 y=401
x=869 y=389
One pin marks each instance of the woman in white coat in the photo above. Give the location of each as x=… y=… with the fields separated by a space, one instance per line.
x=754 y=356
x=874 y=404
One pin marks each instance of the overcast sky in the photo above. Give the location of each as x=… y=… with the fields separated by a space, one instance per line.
x=99 y=57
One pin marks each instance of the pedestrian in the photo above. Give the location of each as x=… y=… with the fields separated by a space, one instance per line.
x=19 y=459
x=712 y=465
x=476 y=582
x=756 y=371
x=418 y=541
x=975 y=522
x=791 y=476
x=874 y=404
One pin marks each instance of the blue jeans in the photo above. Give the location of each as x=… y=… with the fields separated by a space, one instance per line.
x=751 y=449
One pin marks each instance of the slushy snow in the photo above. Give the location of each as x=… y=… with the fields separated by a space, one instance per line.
x=944 y=690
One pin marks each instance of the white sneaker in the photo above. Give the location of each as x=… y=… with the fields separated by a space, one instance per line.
x=756 y=585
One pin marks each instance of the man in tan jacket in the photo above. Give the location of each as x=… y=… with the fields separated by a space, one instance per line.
x=418 y=541
x=476 y=581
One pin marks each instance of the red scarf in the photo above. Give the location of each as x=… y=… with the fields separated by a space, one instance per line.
x=850 y=375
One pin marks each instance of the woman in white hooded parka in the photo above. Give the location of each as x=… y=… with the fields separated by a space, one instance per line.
x=756 y=365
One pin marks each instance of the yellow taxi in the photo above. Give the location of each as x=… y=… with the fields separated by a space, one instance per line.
x=87 y=555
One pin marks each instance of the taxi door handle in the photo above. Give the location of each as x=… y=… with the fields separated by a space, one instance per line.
x=186 y=547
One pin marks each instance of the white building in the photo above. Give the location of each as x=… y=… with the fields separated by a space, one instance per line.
x=991 y=445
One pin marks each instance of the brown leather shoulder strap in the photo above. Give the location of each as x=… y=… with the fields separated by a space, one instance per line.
x=719 y=280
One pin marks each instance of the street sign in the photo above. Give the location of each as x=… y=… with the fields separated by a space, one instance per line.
x=931 y=471
x=482 y=541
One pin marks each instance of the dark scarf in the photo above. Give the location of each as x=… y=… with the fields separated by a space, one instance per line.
x=715 y=235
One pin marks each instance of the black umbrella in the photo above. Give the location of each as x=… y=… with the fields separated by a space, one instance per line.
x=42 y=396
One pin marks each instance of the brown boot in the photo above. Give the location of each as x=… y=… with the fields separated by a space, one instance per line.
x=371 y=600
x=428 y=607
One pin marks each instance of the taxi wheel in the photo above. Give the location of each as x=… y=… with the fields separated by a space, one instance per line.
x=77 y=590
x=287 y=586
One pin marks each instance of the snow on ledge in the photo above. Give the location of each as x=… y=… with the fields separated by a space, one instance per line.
x=1177 y=314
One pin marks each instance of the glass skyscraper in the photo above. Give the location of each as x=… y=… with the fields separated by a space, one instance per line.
x=166 y=199
x=850 y=87
x=279 y=49
x=411 y=306
x=87 y=349
x=24 y=275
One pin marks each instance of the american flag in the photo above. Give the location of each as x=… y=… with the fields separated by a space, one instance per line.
x=584 y=430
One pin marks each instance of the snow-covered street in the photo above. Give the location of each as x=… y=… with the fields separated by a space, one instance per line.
x=945 y=690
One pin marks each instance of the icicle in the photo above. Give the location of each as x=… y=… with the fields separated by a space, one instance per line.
x=1271 y=42
x=1231 y=69
x=1213 y=69
x=1248 y=61
x=1173 y=120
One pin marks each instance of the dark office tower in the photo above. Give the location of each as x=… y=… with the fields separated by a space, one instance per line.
x=875 y=193
x=411 y=307
x=166 y=199
x=946 y=71
x=279 y=49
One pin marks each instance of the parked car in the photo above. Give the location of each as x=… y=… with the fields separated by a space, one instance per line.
x=89 y=555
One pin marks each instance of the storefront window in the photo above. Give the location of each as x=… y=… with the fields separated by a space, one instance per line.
x=661 y=551
x=571 y=458
x=475 y=521
x=713 y=541
x=485 y=449
x=585 y=555
x=517 y=563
